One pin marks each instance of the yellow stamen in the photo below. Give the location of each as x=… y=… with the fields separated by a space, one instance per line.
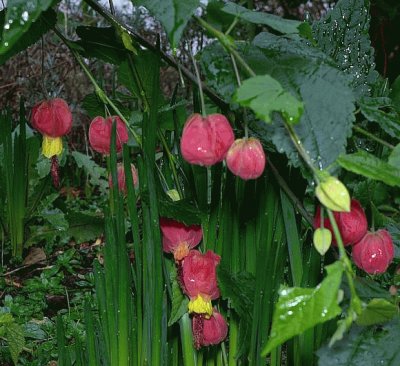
x=201 y=306
x=51 y=146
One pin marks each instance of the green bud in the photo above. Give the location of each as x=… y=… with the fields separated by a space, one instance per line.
x=174 y=195
x=333 y=194
x=322 y=240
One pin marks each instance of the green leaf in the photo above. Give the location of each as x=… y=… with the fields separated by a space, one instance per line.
x=16 y=340
x=182 y=211
x=264 y=95
x=388 y=119
x=299 y=309
x=179 y=300
x=56 y=218
x=41 y=26
x=96 y=173
x=366 y=346
x=395 y=93
x=20 y=16
x=238 y=289
x=370 y=166
x=377 y=311
x=101 y=43
x=394 y=157
x=173 y=15
x=343 y=34
x=277 y=23
x=84 y=226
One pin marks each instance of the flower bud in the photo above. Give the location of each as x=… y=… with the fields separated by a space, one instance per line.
x=352 y=225
x=121 y=178
x=246 y=158
x=199 y=280
x=374 y=252
x=333 y=194
x=100 y=134
x=206 y=140
x=52 y=117
x=211 y=331
x=179 y=238
x=322 y=240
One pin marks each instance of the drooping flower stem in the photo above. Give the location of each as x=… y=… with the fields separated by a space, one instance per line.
x=199 y=83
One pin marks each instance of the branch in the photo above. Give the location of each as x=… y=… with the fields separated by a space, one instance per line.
x=168 y=59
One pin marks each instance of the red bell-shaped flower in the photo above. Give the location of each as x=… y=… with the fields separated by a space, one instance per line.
x=207 y=332
x=179 y=238
x=352 y=225
x=199 y=280
x=121 y=178
x=246 y=158
x=206 y=140
x=374 y=252
x=100 y=134
x=52 y=117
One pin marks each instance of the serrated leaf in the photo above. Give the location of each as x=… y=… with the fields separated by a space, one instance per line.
x=173 y=15
x=366 y=346
x=97 y=174
x=84 y=226
x=299 y=309
x=343 y=34
x=381 y=111
x=238 y=289
x=179 y=300
x=264 y=95
x=182 y=211
x=16 y=340
x=394 y=157
x=19 y=18
x=377 y=311
x=41 y=26
x=370 y=166
x=277 y=23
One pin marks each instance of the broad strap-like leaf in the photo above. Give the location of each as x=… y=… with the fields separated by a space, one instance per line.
x=19 y=18
x=299 y=309
x=285 y=26
x=370 y=166
x=173 y=15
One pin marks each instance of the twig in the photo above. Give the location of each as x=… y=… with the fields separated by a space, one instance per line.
x=168 y=59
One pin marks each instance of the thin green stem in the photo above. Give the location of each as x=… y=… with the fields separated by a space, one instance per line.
x=171 y=163
x=224 y=356
x=373 y=137
x=196 y=70
x=233 y=24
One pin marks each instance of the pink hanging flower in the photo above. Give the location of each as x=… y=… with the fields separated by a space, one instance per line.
x=179 y=238
x=374 y=252
x=121 y=178
x=246 y=158
x=207 y=332
x=100 y=134
x=352 y=225
x=206 y=140
x=199 y=279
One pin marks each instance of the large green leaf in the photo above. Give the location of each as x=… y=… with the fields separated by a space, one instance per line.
x=381 y=111
x=275 y=22
x=84 y=226
x=343 y=34
x=370 y=166
x=366 y=346
x=16 y=340
x=179 y=300
x=264 y=95
x=42 y=25
x=182 y=211
x=173 y=15
x=377 y=311
x=20 y=15
x=299 y=309
x=102 y=43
